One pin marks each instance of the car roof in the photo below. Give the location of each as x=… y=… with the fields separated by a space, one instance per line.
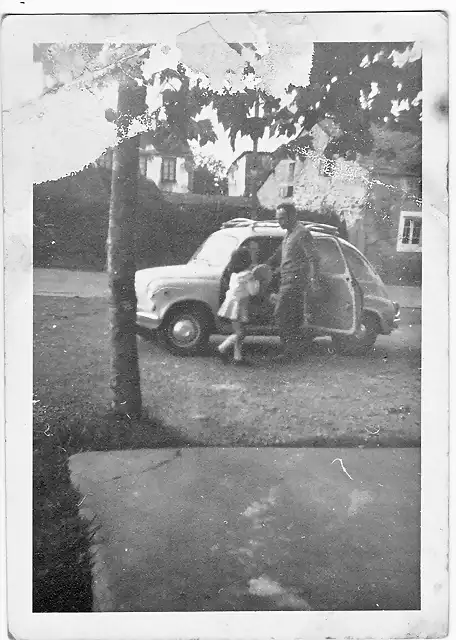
x=243 y=228
x=247 y=228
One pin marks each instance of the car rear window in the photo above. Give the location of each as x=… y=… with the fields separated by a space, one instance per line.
x=331 y=259
x=361 y=270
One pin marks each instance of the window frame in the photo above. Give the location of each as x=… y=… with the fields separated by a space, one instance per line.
x=347 y=250
x=142 y=165
x=291 y=171
x=409 y=247
x=169 y=159
x=286 y=191
x=264 y=251
x=319 y=240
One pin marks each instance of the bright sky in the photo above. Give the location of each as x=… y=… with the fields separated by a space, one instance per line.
x=222 y=148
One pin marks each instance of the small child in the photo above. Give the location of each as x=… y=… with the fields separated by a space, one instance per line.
x=235 y=307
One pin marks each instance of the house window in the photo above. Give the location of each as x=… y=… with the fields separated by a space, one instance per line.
x=410 y=231
x=168 y=170
x=286 y=192
x=142 y=165
x=291 y=171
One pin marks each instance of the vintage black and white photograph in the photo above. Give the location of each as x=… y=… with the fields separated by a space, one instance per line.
x=225 y=224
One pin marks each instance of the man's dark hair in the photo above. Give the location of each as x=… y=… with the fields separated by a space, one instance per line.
x=289 y=209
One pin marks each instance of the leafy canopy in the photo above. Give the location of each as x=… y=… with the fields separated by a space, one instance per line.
x=355 y=84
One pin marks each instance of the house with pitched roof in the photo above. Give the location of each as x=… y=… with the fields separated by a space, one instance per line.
x=168 y=162
x=301 y=173
x=379 y=203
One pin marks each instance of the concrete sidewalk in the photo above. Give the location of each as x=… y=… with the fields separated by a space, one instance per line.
x=63 y=282
x=86 y=284
x=408 y=297
x=253 y=529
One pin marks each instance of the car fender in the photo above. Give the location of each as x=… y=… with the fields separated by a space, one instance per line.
x=383 y=326
x=179 y=296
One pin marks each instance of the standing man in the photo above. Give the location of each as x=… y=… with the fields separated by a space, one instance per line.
x=298 y=262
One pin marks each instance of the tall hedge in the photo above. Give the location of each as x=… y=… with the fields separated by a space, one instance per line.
x=71 y=222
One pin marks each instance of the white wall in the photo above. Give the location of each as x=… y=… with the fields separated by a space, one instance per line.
x=181 y=185
x=153 y=169
x=236 y=178
x=346 y=190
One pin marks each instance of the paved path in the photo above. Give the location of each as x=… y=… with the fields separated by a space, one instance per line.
x=253 y=529
x=86 y=284
x=408 y=297
x=63 y=282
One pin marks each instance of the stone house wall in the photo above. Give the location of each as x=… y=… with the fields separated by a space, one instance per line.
x=381 y=227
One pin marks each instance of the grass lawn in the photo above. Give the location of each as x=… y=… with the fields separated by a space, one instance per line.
x=324 y=399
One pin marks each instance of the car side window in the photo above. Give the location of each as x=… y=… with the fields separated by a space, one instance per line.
x=331 y=258
x=359 y=267
x=262 y=247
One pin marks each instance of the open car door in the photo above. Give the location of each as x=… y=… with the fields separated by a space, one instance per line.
x=339 y=311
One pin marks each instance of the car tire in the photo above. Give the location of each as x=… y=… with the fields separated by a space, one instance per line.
x=146 y=334
x=186 y=331
x=362 y=342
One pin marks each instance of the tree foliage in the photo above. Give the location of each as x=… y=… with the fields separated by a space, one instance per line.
x=209 y=176
x=176 y=101
x=341 y=87
x=234 y=113
x=398 y=151
x=342 y=72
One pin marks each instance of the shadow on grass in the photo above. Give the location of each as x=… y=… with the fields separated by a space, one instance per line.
x=325 y=442
x=62 y=579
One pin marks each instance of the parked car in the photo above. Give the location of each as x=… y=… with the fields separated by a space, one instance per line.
x=180 y=303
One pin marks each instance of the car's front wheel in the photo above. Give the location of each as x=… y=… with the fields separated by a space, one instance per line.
x=361 y=342
x=186 y=331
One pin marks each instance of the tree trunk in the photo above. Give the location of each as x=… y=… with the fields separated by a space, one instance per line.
x=255 y=167
x=125 y=380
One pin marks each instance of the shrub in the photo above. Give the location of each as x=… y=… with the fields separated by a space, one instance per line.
x=71 y=221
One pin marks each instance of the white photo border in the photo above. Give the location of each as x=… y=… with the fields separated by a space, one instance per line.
x=431 y=30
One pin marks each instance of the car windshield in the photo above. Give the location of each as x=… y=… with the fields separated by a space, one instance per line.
x=216 y=250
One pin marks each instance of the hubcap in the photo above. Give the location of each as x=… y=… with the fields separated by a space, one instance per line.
x=185 y=332
x=361 y=333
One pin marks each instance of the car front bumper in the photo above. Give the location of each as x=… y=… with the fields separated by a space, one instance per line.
x=147 y=320
x=390 y=325
x=397 y=316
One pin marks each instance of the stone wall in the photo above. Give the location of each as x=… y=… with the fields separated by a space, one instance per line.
x=381 y=224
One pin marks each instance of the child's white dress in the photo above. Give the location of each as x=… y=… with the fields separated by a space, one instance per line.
x=235 y=307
